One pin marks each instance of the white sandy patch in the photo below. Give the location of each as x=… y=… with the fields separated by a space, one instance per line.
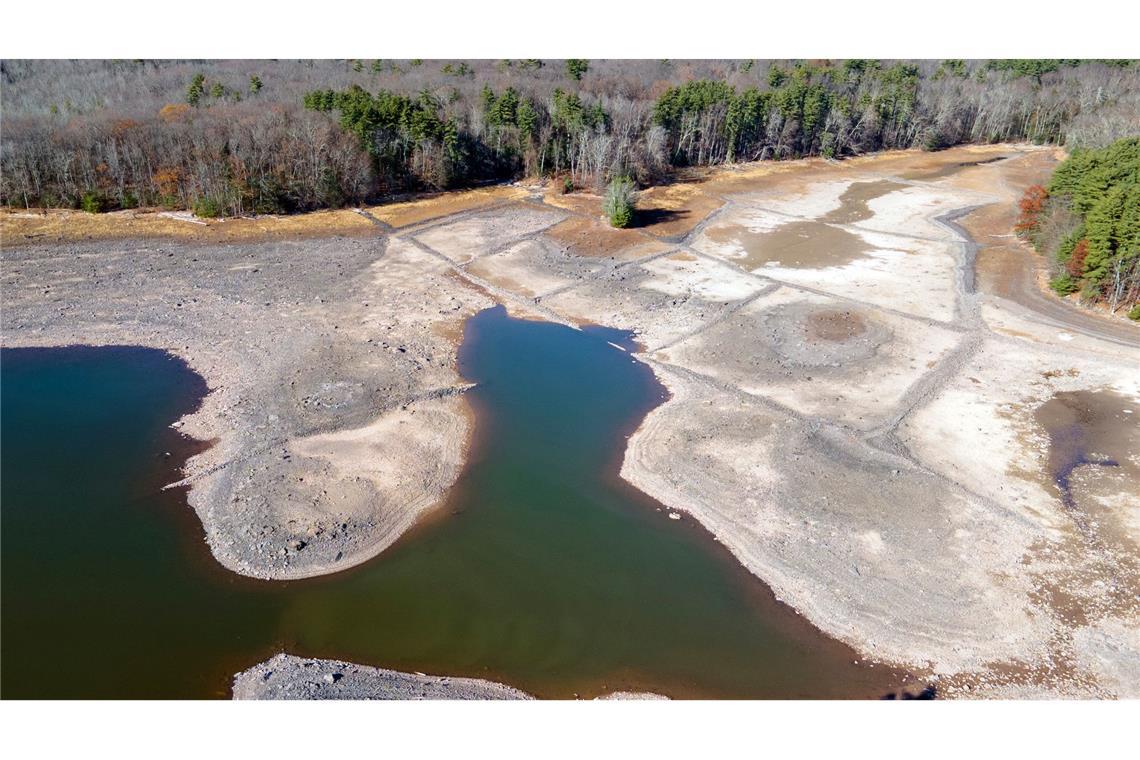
x=980 y=429
x=465 y=239
x=661 y=300
x=817 y=200
x=1008 y=318
x=908 y=275
x=889 y=563
x=1111 y=650
x=688 y=276
x=909 y=211
x=863 y=394
x=753 y=219
x=411 y=456
x=519 y=270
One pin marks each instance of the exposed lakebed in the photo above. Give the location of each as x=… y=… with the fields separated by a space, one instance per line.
x=809 y=244
x=543 y=570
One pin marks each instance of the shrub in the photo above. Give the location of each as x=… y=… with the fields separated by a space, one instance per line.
x=207 y=208
x=567 y=186
x=93 y=203
x=935 y=141
x=620 y=197
x=827 y=145
x=1031 y=205
x=1135 y=312
x=1064 y=285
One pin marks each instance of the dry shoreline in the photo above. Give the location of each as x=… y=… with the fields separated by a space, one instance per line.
x=285 y=676
x=809 y=400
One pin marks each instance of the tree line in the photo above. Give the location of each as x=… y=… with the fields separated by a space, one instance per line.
x=1087 y=221
x=259 y=137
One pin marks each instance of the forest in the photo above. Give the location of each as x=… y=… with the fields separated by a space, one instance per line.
x=253 y=137
x=1087 y=222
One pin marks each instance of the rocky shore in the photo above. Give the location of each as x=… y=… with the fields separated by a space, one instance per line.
x=287 y=677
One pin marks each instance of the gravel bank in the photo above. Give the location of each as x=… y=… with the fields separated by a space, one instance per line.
x=285 y=676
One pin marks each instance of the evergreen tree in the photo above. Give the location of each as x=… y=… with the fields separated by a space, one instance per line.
x=619 y=201
x=195 y=90
x=576 y=67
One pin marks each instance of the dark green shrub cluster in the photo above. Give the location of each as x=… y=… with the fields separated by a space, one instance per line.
x=1100 y=254
x=93 y=202
x=207 y=208
x=619 y=201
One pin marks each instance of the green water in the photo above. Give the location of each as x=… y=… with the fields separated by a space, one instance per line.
x=544 y=570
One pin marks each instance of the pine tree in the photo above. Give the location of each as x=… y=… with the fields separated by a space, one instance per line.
x=619 y=201
x=576 y=67
x=527 y=119
x=195 y=90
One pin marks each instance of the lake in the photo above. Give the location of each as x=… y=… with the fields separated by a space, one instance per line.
x=543 y=569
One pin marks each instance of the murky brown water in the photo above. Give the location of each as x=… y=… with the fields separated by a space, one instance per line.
x=853 y=204
x=801 y=244
x=810 y=244
x=1097 y=428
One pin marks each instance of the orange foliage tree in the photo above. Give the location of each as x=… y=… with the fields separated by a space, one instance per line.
x=1031 y=205
x=1076 y=262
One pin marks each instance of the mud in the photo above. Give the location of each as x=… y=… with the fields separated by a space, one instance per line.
x=854 y=201
x=801 y=245
x=835 y=326
x=950 y=169
x=807 y=335
x=1088 y=429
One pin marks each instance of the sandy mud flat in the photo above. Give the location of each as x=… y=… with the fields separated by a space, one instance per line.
x=856 y=410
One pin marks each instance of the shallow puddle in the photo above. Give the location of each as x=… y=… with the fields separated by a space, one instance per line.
x=853 y=204
x=809 y=244
x=544 y=570
x=799 y=244
x=1097 y=428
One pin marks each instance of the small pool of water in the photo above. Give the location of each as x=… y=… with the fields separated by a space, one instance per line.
x=544 y=569
x=1089 y=428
